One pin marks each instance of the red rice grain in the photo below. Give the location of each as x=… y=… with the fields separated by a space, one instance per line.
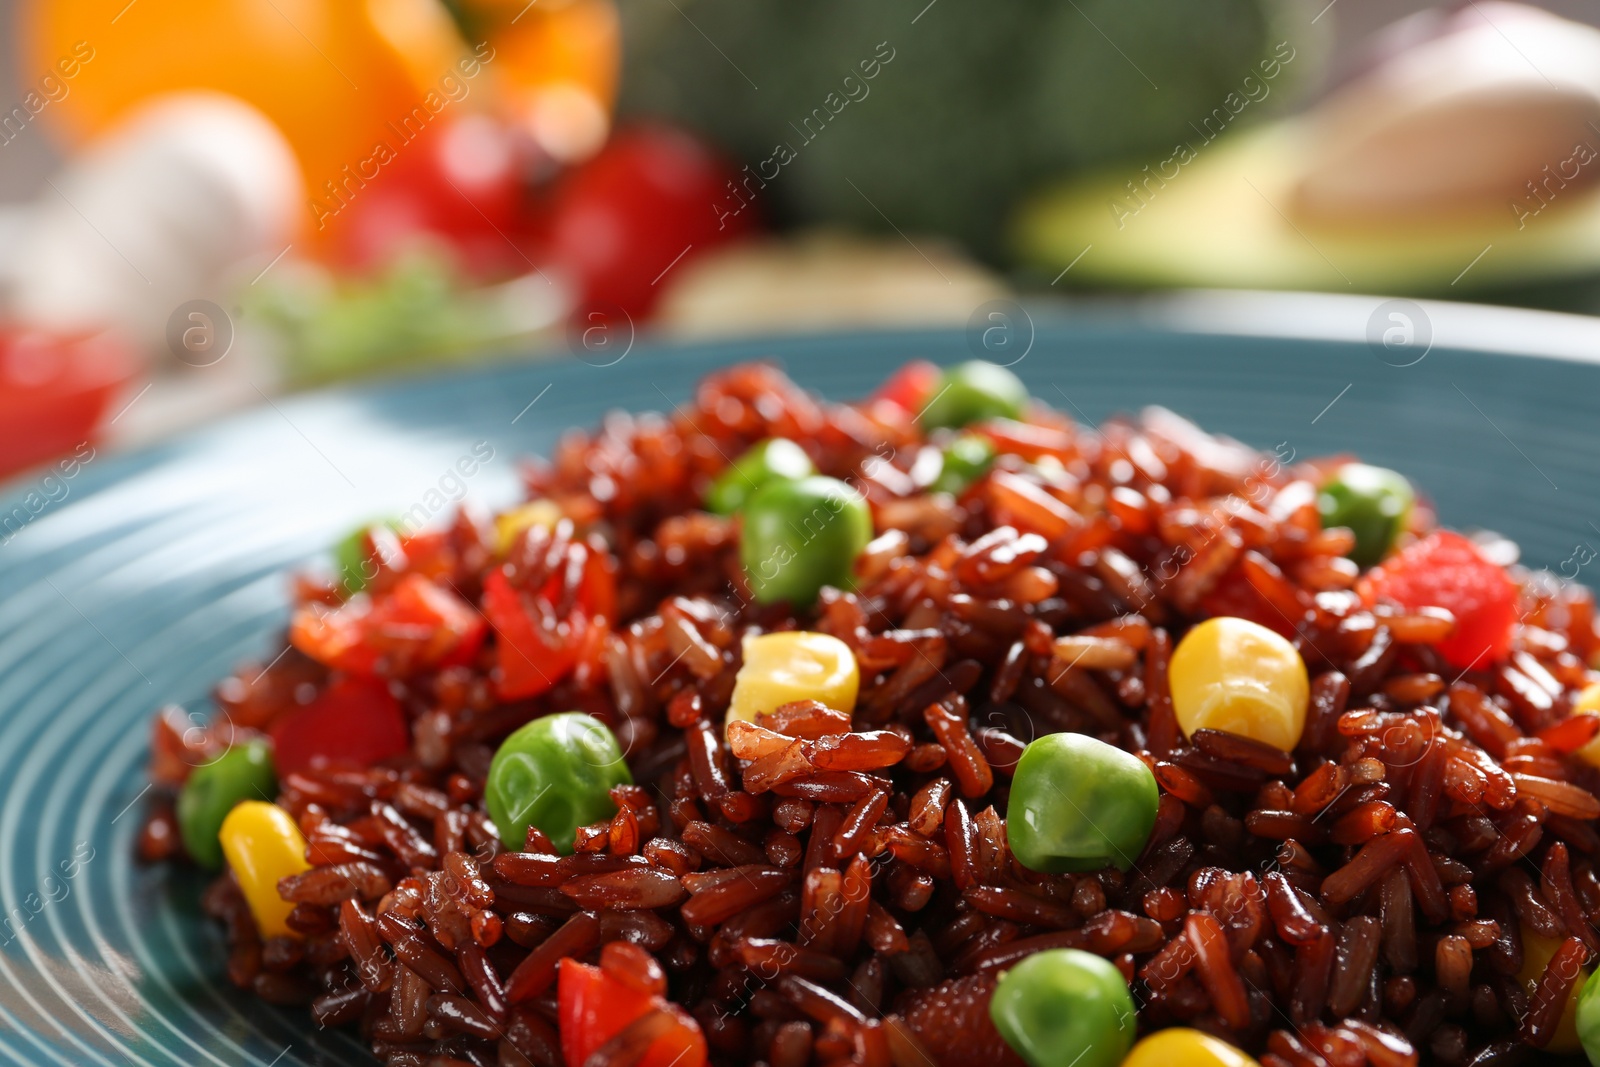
x=821 y=888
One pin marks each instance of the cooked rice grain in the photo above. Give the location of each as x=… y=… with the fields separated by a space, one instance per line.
x=814 y=890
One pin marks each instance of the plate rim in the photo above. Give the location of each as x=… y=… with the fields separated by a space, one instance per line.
x=1315 y=317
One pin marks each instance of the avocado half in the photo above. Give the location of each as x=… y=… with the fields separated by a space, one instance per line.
x=1219 y=214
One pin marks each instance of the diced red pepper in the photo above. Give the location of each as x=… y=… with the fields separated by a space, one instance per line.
x=354 y=720
x=428 y=553
x=910 y=387
x=417 y=624
x=535 y=649
x=537 y=645
x=594 y=1007
x=1446 y=570
x=333 y=635
x=457 y=627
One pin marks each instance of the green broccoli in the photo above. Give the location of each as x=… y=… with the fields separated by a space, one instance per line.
x=934 y=117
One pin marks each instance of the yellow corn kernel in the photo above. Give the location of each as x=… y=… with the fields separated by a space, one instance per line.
x=263 y=844
x=1232 y=675
x=1536 y=952
x=1589 y=701
x=1182 y=1047
x=509 y=527
x=796 y=665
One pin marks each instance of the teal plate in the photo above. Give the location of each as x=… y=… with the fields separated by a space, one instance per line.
x=143 y=578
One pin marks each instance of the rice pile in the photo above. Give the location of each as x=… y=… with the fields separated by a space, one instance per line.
x=847 y=895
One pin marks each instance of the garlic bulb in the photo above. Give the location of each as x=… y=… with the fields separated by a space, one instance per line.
x=158 y=212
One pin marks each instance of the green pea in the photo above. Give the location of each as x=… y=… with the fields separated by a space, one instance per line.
x=243 y=772
x=1065 y=1006
x=1374 y=502
x=800 y=536
x=352 y=556
x=965 y=460
x=775 y=459
x=973 y=391
x=1587 y=1018
x=1078 y=804
x=555 y=773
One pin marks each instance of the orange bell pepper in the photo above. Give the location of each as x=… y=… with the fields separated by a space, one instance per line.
x=335 y=76
x=557 y=68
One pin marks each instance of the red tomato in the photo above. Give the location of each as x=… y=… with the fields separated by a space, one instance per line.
x=458 y=183
x=354 y=720
x=911 y=387
x=54 y=391
x=417 y=624
x=594 y=1008
x=1445 y=570
x=652 y=199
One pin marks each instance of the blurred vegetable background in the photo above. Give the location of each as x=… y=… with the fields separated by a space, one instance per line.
x=945 y=123
x=213 y=202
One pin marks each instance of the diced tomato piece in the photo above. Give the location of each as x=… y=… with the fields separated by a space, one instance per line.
x=1446 y=570
x=417 y=624
x=536 y=650
x=910 y=387
x=594 y=1007
x=354 y=720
